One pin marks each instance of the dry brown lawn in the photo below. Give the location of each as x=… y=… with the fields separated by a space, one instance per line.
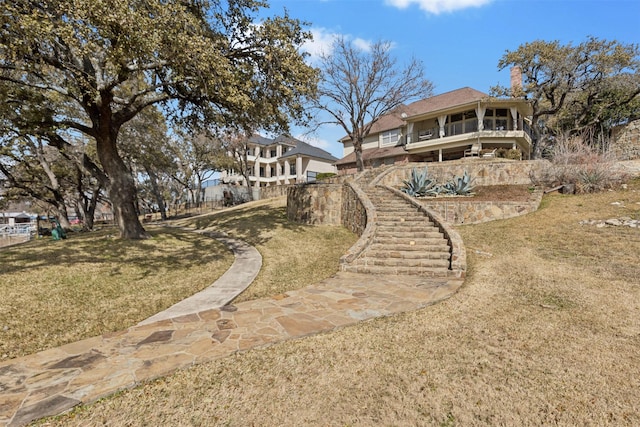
x=545 y=331
x=52 y=293
x=293 y=255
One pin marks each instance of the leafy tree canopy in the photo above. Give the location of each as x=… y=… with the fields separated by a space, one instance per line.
x=589 y=87
x=90 y=66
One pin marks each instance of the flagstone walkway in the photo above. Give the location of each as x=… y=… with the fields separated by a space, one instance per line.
x=56 y=380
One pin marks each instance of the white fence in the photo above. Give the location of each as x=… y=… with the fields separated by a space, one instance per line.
x=17 y=230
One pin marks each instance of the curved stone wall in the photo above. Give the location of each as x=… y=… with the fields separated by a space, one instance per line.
x=475 y=212
x=483 y=171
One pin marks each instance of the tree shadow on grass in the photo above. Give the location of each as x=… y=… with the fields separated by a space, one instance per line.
x=102 y=247
x=255 y=225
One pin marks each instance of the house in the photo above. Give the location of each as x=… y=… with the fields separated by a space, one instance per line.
x=283 y=160
x=461 y=123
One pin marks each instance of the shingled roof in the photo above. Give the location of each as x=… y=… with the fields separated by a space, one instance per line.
x=372 y=153
x=447 y=100
x=307 y=150
x=260 y=140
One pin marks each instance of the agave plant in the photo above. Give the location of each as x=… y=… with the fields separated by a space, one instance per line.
x=419 y=185
x=460 y=185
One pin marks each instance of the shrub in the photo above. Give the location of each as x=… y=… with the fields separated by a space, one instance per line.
x=324 y=175
x=460 y=185
x=574 y=161
x=419 y=184
x=509 y=153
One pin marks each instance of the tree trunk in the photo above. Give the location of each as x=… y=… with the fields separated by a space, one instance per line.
x=61 y=214
x=357 y=148
x=120 y=187
x=90 y=209
x=155 y=190
x=245 y=173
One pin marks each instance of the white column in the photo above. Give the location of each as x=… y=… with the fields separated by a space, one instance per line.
x=442 y=120
x=287 y=169
x=409 y=133
x=298 y=169
x=480 y=110
x=514 y=116
x=440 y=155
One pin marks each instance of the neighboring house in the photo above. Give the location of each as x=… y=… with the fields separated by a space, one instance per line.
x=283 y=160
x=15 y=218
x=461 y=123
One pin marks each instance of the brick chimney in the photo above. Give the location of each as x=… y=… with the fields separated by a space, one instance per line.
x=516 y=79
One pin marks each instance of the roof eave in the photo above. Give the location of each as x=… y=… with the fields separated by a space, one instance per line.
x=488 y=101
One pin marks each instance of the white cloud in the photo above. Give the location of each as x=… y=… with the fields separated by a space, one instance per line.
x=438 y=6
x=362 y=44
x=315 y=141
x=322 y=43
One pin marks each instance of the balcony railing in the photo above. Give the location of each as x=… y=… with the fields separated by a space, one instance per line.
x=468 y=127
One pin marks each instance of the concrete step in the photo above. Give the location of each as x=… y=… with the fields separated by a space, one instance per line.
x=430 y=253
x=404 y=222
x=404 y=262
x=409 y=241
x=404 y=271
x=408 y=227
x=436 y=246
x=406 y=241
x=399 y=213
x=397 y=233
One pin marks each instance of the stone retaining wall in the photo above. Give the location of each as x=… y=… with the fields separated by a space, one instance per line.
x=474 y=212
x=273 y=191
x=627 y=142
x=315 y=203
x=340 y=204
x=353 y=212
x=483 y=171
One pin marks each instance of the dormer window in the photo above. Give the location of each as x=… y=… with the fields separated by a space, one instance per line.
x=390 y=138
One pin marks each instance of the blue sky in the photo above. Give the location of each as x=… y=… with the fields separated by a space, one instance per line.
x=459 y=41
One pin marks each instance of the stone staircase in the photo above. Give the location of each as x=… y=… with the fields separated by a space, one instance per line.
x=405 y=241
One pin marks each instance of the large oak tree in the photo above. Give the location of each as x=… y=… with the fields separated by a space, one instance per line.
x=584 y=88
x=90 y=66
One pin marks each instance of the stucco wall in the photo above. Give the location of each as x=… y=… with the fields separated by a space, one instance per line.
x=318 y=166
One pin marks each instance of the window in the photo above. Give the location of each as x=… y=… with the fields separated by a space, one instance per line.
x=272 y=153
x=262 y=171
x=311 y=176
x=470 y=121
x=496 y=119
x=272 y=171
x=390 y=138
x=292 y=169
x=463 y=123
